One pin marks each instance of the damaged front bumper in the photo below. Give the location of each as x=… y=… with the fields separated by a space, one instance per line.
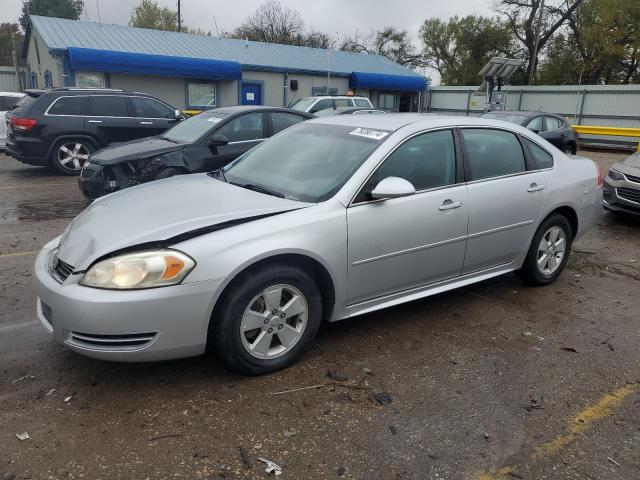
x=96 y=180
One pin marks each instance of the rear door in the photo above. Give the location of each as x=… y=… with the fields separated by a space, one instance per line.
x=506 y=197
x=109 y=121
x=283 y=120
x=151 y=116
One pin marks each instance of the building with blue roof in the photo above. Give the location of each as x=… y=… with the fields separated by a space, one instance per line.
x=200 y=71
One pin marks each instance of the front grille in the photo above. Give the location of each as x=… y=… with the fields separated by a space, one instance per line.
x=61 y=270
x=632 y=178
x=132 y=341
x=630 y=194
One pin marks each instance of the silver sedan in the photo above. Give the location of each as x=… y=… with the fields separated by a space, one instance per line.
x=330 y=219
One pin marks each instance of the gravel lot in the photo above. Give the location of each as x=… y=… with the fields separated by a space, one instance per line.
x=493 y=381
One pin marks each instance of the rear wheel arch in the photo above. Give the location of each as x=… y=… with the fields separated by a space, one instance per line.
x=570 y=214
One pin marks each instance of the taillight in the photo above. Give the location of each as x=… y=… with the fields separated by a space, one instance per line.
x=600 y=181
x=22 y=124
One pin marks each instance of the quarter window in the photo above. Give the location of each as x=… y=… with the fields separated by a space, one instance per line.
x=492 y=153
x=280 y=121
x=149 y=108
x=361 y=102
x=244 y=128
x=427 y=161
x=108 y=106
x=69 y=106
x=542 y=158
x=202 y=95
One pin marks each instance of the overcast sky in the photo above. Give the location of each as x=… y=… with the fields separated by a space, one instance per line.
x=335 y=17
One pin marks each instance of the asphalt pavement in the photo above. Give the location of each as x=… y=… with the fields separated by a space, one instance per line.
x=493 y=381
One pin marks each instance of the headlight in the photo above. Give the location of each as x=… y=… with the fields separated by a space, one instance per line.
x=158 y=268
x=615 y=175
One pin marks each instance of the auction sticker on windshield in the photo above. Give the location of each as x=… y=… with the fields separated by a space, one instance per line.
x=369 y=133
x=214 y=119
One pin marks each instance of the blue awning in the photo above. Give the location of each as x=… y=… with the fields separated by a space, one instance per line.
x=379 y=81
x=146 y=64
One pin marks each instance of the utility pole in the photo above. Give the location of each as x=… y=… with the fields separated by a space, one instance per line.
x=179 y=18
x=534 y=55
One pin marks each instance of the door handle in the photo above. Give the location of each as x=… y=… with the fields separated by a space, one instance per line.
x=95 y=121
x=449 y=205
x=146 y=123
x=534 y=187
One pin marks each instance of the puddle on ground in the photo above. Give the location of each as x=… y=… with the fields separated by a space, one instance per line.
x=38 y=211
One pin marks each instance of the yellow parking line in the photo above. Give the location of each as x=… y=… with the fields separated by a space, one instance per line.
x=578 y=425
x=19 y=254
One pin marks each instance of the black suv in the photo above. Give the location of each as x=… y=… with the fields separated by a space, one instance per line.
x=61 y=127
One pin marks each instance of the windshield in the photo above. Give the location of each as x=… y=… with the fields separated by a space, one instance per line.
x=191 y=129
x=306 y=162
x=506 y=117
x=303 y=104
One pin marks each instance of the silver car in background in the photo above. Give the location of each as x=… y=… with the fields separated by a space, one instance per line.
x=622 y=186
x=330 y=219
x=7 y=101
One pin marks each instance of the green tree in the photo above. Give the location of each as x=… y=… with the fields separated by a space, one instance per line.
x=148 y=14
x=10 y=36
x=460 y=47
x=50 y=8
x=389 y=42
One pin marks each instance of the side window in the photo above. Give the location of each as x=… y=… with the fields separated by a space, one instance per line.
x=69 y=106
x=321 y=105
x=492 y=153
x=244 y=128
x=535 y=125
x=108 y=106
x=427 y=161
x=281 y=120
x=361 y=102
x=149 y=108
x=342 y=102
x=553 y=123
x=542 y=158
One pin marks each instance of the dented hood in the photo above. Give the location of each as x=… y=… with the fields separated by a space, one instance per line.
x=158 y=211
x=134 y=150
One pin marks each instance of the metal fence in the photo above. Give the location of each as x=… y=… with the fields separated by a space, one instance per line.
x=597 y=105
x=8 y=79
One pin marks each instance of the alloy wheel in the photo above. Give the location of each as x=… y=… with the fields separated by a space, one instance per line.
x=73 y=155
x=274 y=321
x=551 y=250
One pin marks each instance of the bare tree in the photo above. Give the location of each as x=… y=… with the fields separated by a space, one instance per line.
x=522 y=17
x=389 y=42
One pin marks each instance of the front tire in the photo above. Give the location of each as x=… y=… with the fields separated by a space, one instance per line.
x=266 y=318
x=549 y=251
x=68 y=156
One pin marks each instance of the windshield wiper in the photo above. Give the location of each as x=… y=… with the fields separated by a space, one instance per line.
x=259 y=188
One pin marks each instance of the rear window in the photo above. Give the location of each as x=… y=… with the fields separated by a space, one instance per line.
x=69 y=106
x=24 y=103
x=108 y=106
x=362 y=102
x=506 y=117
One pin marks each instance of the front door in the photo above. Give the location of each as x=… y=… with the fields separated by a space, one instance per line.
x=151 y=117
x=397 y=244
x=251 y=94
x=505 y=200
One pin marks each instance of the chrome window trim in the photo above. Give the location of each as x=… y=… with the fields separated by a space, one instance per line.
x=47 y=114
x=246 y=141
x=373 y=170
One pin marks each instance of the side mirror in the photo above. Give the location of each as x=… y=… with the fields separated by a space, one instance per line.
x=393 y=187
x=177 y=114
x=218 y=141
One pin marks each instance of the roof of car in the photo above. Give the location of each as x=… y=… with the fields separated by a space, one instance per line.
x=395 y=121
x=12 y=94
x=524 y=113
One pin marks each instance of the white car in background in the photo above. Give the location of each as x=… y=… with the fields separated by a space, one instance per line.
x=322 y=102
x=7 y=99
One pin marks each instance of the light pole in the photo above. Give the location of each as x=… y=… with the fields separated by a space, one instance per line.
x=179 y=18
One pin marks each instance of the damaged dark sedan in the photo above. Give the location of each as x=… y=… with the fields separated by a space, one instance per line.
x=203 y=143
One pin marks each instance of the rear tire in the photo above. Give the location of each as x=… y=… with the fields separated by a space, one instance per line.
x=570 y=149
x=168 y=172
x=265 y=319
x=549 y=251
x=69 y=155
